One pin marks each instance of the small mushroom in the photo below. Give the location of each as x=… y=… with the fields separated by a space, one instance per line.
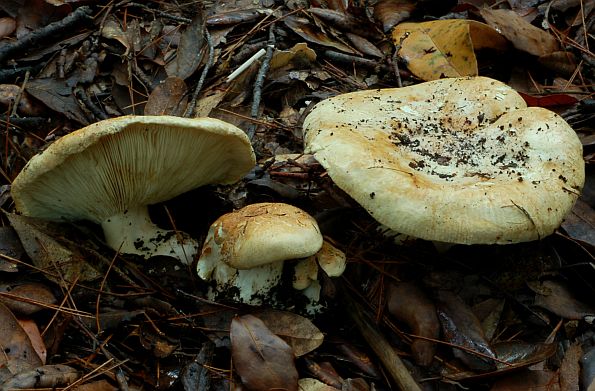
x=110 y=171
x=245 y=250
x=459 y=160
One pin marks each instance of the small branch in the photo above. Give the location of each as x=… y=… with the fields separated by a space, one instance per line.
x=211 y=59
x=47 y=33
x=260 y=78
x=385 y=352
x=89 y=104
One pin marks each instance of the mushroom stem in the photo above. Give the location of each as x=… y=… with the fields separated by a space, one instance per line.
x=133 y=232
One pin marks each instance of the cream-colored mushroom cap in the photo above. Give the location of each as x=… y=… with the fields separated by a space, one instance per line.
x=262 y=233
x=108 y=172
x=455 y=160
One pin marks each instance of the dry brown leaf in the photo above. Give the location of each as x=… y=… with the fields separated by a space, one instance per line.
x=100 y=385
x=528 y=380
x=409 y=304
x=309 y=384
x=11 y=246
x=461 y=327
x=18 y=352
x=168 y=98
x=570 y=368
x=263 y=360
x=190 y=50
x=299 y=332
x=48 y=253
x=444 y=48
x=58 y=96
x=7 y=26
x=580 y=222
x=30 y=327
x=523 y=35
x=311 y=33
x=392 y=12
x=46 y=376
x=558 y=298
x=22 y=298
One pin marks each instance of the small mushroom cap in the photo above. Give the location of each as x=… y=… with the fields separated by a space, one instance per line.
x=259 y=234
x=456 y=160
x=332 y=260
x=111 y=166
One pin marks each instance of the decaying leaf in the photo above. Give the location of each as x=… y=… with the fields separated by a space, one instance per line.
x=299 y=332
x=528 y=380
x=444 y=48
x=18 y=352
x=46 y=376
x=39 y=240
x=557 y=297
x=309 y=384
x=410 y=305
x=263 y=360
x=30 y=327
x=190 y=50
x=11 y=246
x=580 y=222
x=168 y=98
x=392 y=12
x=22 y=298
x=462 y=328
x=58 y=96
x=311 y=33
x=523 y=35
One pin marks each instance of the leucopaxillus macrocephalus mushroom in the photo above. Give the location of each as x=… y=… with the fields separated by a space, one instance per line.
x=110 y=171
x=245 y=251
x=460 y=160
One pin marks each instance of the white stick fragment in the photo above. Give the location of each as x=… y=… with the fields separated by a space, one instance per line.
x=245 y=65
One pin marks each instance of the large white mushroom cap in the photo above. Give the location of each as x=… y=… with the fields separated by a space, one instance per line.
x=455 y=160
x=108 y=172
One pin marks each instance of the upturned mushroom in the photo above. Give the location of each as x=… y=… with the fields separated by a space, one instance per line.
x=110 y=171
x=459 y=160
x=245 y=250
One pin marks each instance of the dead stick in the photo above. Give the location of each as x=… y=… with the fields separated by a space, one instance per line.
x=46 y=33
x=380 y=345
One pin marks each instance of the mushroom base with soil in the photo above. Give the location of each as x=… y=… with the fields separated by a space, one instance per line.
x=132 y=232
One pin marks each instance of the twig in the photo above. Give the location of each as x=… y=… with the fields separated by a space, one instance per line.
x=260 y=78
x=157 y=12
x=350 y=59
x=10 y=74
x=211 y=59
x=46 y=33
x=380 y=345
x=19 y=95
x=80 y=93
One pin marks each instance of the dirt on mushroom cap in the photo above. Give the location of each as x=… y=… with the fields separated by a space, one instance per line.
x=454 y=160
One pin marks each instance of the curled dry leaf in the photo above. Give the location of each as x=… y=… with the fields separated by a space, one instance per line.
x=410 y=305
x=168 y=98
x=444 y=48
x=22 y=298
x=299 y=332
x=263 y=360
x=523 y=35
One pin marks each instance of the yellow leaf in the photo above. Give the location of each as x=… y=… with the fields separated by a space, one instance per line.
x=444 y=48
